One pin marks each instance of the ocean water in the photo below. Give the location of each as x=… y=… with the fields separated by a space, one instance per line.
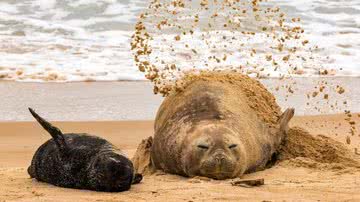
x=89 y=40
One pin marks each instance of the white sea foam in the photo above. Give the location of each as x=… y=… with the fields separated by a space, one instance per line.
x=58 y=40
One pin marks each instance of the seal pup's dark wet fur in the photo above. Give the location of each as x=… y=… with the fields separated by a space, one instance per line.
x=81 y=161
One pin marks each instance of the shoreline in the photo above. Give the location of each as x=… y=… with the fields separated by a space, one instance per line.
x=116 y=101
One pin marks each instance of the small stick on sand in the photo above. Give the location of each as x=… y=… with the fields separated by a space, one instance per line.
x=248 y=183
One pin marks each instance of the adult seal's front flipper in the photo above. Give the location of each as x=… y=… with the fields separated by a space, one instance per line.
x=142 y=160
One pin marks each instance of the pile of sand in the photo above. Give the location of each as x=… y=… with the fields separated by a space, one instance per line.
x=301 y=149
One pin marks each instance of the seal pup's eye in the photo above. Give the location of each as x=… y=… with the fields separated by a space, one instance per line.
x=232 y=146
x=201 y=146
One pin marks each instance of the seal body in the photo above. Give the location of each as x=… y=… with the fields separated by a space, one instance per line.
x=81 y=161
x=220 y=125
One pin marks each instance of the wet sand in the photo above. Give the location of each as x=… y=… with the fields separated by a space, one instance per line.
x=108 y=101
x=20 y=140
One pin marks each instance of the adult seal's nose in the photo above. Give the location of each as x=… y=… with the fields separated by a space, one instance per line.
x=220 y=158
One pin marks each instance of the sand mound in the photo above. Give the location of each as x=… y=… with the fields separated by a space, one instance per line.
x=258 y=97
x=301 y=149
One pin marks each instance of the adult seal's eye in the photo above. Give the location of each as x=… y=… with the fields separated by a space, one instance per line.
x=201 y=146
x=232 y=146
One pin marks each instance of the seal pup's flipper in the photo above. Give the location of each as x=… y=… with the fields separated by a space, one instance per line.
x=137 y=178
x=55 y=133
x=285 y=119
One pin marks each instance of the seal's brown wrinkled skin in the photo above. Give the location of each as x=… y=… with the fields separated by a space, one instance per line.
x=219 y=125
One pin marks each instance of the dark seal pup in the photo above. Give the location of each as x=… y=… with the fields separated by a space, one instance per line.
x=81 y=161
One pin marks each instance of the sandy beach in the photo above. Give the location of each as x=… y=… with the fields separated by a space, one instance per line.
x=105 y=67
x=19 y=141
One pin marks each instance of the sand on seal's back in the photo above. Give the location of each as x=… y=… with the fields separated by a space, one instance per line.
x=258 y=97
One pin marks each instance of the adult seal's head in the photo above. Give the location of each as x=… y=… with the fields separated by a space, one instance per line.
x=81 y=161
x=213 y=150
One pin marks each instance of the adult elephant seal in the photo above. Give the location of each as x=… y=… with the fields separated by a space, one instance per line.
x=218 y=125
x=81 y=161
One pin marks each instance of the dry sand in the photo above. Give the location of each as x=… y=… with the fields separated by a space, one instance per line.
x=20 y=140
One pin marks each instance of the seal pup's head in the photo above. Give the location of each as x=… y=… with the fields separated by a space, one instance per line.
x=212 y=150
x=113 y=172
